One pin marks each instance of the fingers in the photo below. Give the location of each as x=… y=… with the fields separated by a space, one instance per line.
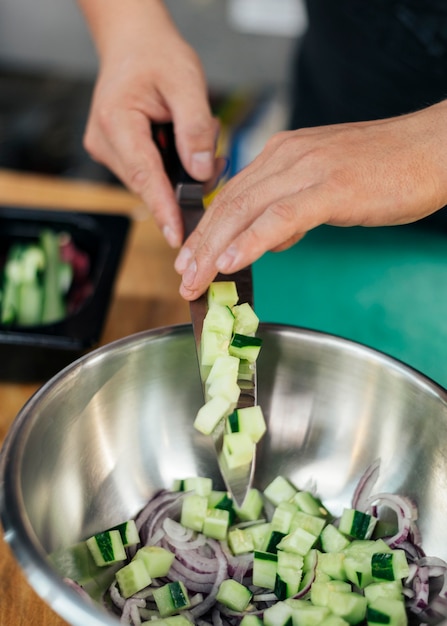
x=125 y=145
x=230 y=239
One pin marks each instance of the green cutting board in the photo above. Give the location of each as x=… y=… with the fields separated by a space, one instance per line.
x=383 y=287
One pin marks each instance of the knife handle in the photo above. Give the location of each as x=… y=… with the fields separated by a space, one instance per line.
x=163 y=136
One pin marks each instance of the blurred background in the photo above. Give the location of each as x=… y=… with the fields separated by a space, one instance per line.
x=48 y=65
x=381 y=287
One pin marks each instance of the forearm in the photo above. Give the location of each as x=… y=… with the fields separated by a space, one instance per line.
x=110 y=21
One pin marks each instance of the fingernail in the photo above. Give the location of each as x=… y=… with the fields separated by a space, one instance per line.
x=171 y=237
x=182 y=260
x=189 y=274
x=202 y=164
x=226 y=260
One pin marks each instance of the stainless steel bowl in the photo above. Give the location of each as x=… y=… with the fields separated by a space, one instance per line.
x=92 y=445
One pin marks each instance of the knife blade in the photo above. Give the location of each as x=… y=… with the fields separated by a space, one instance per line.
x=189 y=193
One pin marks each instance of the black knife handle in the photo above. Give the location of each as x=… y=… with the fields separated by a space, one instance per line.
x=163 y=136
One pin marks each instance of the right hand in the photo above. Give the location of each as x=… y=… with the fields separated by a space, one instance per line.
x=148 y=73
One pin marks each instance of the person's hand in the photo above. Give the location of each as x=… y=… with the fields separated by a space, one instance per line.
x=148 y=73
x=372 y=173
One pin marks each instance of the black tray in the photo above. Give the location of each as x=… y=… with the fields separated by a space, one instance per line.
x=37 y=353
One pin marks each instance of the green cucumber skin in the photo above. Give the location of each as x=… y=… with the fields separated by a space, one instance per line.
x=179 y=600
x=244 y=341
x=104 y=543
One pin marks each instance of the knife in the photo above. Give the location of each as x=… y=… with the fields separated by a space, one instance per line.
x=189 y=194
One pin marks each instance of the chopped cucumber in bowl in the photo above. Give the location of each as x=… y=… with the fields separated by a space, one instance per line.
x=192 y=555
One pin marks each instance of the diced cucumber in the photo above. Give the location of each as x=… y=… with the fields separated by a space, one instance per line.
x=246 y=321
x=333 y=620
x=211 y=413
x=234 y=595
x=251 y=620
x=279 y=490
x=350 y=606
x=289 y=560
x=358 y=569
x=157 y=560
x=216 y=524
x=251 y=507
x=106 y=547
x=212 y=345
x=332 y=540
x=222 y=292
x=224 y=365
x=219 y=319
x=273 y=540
x=237 y=450
x=308 y=503
x=194 y=511
x=299 y=541
x=311 y=523
x=245 y=347
x=279 y=614
x=240 y=541
x=333 y=564
x=386 y=611
x=171 y=598
x=221 y=500
x=225 y=387
x=264 y=569
x=248 y=420
x=320 y=593
x=357 y=524
x=128 y=533
x=201 y=485
x=287 y=583
x=390 y=565
x=133 y=577
x=282 y=517
x=306 y=614
x=390 y=589
x=259 y=534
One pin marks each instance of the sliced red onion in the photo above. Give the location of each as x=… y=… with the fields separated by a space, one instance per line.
x=364 y=487
x=221 y=574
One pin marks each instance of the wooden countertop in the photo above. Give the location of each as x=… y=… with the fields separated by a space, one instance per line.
x=146 y=296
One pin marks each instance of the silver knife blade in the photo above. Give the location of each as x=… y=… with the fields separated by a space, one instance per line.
x=237 y=480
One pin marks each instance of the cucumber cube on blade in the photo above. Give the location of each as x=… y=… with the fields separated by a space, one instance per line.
x=248 y=420
x=245 y=347
x=222 y=292
x=237 y=450
x=246 y=321
x=211 y=413
x=219 y=319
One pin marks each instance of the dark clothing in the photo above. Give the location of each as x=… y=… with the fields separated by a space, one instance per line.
x=369 y=59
